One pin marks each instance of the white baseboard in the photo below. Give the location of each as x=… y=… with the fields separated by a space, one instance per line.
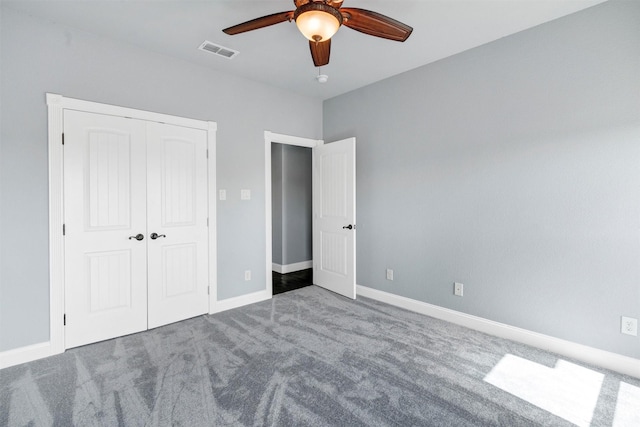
x=290 y=268
x=26 y=354
x=239 y=301
x=613 y=361
x=605 y=359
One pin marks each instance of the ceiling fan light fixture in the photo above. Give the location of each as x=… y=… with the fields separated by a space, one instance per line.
x=317 y=21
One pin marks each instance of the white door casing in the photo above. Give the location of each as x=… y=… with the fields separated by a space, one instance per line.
x=337 y=274
x=177 y=213
x=270 y=138
x=105 y=206
x=56 y=106
x=334 y=215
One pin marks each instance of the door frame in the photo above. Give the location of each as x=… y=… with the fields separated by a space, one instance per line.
x=269 y=138
x=56 y=104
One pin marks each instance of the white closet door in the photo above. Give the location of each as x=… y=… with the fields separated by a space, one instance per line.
x=177 y=214
x=105 y=206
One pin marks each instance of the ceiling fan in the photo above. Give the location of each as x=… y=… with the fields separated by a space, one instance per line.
x=319 y=20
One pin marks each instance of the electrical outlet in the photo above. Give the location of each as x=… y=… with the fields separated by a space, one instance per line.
x=389 y=274
x=629 y=326
x=245 y=194
x=247 y=275
x=458 y=289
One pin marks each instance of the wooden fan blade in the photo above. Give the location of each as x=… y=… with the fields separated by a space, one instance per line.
x=320 y=52
x=261 y=22
x=375 y=24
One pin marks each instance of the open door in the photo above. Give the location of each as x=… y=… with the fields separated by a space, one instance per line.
x=334 y=215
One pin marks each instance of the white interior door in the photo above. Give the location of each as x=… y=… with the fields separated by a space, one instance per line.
x=105 y=207
x=177 y=223
x=334 y=201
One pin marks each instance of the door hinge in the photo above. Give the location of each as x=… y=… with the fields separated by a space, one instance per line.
x=64 y=229
x=62 y=138
x=207 y=222
x=208 y=290
x=207 y=153
x=64 y=319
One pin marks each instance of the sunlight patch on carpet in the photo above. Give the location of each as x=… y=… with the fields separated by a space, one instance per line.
x=567 y=390
x=627 y=406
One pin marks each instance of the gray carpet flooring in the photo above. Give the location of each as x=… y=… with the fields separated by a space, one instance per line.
x=311 y=358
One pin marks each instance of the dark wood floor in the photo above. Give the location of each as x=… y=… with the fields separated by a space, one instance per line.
x=290 y=281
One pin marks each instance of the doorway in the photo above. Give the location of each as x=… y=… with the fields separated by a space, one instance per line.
x=291 y=197
x=276 y=142
x=333 y=212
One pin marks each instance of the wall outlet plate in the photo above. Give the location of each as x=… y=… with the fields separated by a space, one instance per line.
x=389 y=274
x=458 y=289
x=629 y=326
x=247 y=275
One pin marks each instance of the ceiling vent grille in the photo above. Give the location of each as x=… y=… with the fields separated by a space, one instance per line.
x=216 y=49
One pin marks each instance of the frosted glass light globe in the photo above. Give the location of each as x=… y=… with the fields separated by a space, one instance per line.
x=317 y=25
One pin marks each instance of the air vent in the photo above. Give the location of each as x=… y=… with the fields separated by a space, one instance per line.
x=216 y=49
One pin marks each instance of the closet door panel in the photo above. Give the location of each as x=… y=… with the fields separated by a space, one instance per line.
x=177 y=214
x=105 y=205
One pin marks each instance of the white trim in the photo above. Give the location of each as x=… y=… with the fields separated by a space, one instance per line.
x=55 y=105
x=113 y=110
x=25 y=354
x=269 y=138
x=268 y=213
x=242 y=300
x=212 y=170
x=291 y=140
x=290 y=268
x=605 y=359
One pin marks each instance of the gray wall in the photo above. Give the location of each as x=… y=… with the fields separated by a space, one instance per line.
x=38 y=57
x=296 y=204
x=276 y=203
x=513 y=168
x=292 y=220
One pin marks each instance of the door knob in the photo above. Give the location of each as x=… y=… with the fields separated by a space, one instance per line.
x=137 y=237
x=155 y=236
x=349 y=227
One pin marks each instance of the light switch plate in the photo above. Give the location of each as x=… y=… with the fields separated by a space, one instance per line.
x=222 y=194
x=245 y=194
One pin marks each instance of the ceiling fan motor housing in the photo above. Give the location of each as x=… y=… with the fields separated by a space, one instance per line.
x=322 y=8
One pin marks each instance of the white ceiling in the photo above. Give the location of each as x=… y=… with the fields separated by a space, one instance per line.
x=279 y=55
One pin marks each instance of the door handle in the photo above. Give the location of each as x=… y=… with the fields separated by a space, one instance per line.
x=155 y=236
x=349 y=227
x=137 y=237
